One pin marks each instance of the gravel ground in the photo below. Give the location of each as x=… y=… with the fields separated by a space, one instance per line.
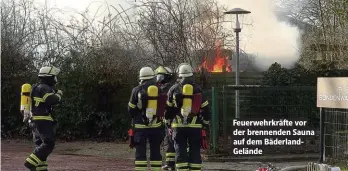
x=99 y=156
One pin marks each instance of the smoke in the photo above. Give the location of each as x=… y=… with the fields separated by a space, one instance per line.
x=269 y=39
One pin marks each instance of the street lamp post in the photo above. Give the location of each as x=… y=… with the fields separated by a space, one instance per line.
x=237 y=30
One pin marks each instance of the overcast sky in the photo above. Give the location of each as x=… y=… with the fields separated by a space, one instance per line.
x=81 y=5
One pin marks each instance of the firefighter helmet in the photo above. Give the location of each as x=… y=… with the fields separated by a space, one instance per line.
x=163 y=70
x=185 y=70
x=169 y=70
x=164 y=74
x=49 y=74
x=146 y=73
x=48 y=71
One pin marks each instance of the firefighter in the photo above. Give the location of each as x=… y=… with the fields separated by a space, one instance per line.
x=190 y=113
x=43 y=98
x=164 y=80
x=143 y=107
x=164 y=77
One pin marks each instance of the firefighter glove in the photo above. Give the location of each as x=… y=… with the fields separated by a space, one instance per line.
x=204 y=143
x=131 y=138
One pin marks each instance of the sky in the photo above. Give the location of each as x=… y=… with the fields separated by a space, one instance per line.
x=81 y=5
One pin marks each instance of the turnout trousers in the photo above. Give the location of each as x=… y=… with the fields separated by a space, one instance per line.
x=154 y=135
x=170 y=152
x=44 y=139
x=187 y=136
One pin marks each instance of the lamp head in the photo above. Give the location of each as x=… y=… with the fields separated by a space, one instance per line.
x=237 y=11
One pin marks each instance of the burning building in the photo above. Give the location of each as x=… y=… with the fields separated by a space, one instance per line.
x=218 y=62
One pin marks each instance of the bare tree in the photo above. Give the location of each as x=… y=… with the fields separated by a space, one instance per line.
x=327 y=41
x=175 y=30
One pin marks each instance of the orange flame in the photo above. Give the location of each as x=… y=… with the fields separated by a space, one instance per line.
x=219 y=62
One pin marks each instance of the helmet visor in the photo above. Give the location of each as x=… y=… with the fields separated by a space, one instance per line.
x=159 y=78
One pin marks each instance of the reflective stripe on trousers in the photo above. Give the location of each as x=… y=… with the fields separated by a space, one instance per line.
x=195 y=167
x=156 y=165
x=189 y=133
x=182 y=166
x=35 y=161
x=170 y=157
x=140 y=165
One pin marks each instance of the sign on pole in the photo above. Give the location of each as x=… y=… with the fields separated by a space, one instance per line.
x=332 y=92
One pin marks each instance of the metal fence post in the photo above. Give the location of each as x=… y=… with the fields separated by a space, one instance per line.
x=214 y=120
x=224 y=116
x=322 y=136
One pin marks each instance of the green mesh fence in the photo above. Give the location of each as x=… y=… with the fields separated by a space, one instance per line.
x=265 y=102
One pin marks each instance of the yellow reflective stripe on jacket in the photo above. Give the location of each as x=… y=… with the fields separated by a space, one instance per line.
x=39 y=99
x=194 y=120
x=191 y=125
x=131 y=105
x=48 y=118
x=152 y=125
x=206 y=122
x=204 y=104
x=178 y=119
x=175 y=125
x=46 y=95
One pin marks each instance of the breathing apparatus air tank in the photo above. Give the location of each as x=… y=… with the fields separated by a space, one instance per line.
x=186 y=108
x=25 y=107
x=151 y=109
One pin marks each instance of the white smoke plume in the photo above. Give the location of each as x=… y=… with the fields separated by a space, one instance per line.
x=267 y=38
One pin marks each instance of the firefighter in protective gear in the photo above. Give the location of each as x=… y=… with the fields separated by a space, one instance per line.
x=43 y=98
x=164 y=76
x=189 y=112
x=164 y=81
x=143 y=107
